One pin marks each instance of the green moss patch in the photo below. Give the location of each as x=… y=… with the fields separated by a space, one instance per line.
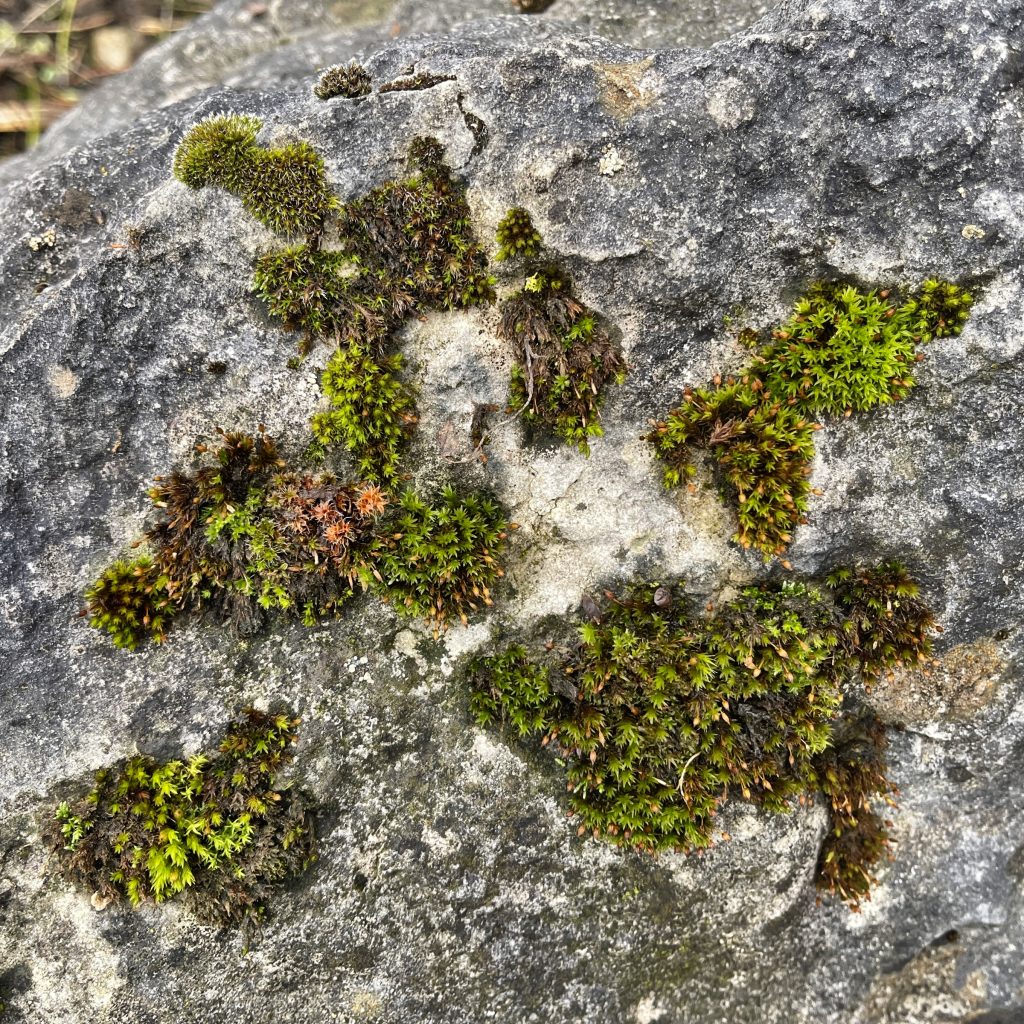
x=565 y=357
x=213 y=829
x=662 y=713
x=284 y=188
x=843 y=351
x=244 y=534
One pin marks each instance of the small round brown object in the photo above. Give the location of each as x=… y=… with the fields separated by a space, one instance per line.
x=663 y=597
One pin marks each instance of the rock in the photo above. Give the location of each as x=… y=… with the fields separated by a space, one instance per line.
x=834 y=142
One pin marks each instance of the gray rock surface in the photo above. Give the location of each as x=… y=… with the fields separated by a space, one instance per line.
x=880 y=142
x=246 y=43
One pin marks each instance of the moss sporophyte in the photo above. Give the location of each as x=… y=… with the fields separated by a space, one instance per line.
x=661 y=714
x=843 y=351
x=212 y=828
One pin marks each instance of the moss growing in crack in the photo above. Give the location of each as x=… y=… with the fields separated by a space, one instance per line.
x=517 y=237
x=438 y=560
x=565 y=357
x=284 y=188
x=213 y=829
x=244 y=534
x=371 y=411
x=415 y=83
x=661 y=714
x=405 y=247
x=842 y=351
x=346 y=80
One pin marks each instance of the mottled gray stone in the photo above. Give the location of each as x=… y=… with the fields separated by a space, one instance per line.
x=879 y=142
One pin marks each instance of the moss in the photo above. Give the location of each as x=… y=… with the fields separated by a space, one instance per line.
x=217 y=151
x=371 y=411
x=517 y=237
x=565 y=357
x=886 y=624
x=842 y=351
x=213 y=828
x=852 y=773
x=661 y=713
x=284 y=188
x=347 y=80
x=244 y=534
x=438 y=560
x=130 y=602
x=405 y=247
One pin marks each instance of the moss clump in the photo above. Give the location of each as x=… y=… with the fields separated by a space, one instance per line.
x=405 y=247
x=517 y=237
x=842 y=351
x=764 y=451
x=213 y=828
x=240 y=536
x=348 y=80
x=661 y=713
x=438 y=561
x=852 y=776
x=284 y=188
x=371 y=411
x=565 y=357
x=130 y=602
x=244 y=534
x=885 y=621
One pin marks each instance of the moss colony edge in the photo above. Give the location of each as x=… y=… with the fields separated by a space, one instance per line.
x=843 y=351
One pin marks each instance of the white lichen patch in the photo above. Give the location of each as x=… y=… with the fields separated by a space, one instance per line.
x=611 y=162
x=62 y=381
x=731 y=102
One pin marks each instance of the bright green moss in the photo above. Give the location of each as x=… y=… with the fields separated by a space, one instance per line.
x=371 y=411
x=517 y=237
x=213 y=827
x=565 y=358
x=218 y=151
x=285 y=188
x=438 y=561
x=130 y=602
x=661 y=713
x=347 y=80
x=764 y=450
x=244 y=534
x=842 y=351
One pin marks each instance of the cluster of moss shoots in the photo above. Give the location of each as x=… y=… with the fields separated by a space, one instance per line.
x=659 y=713
x=565 y=356
x=243 y=534
x=212 y=829
x=843 y=351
